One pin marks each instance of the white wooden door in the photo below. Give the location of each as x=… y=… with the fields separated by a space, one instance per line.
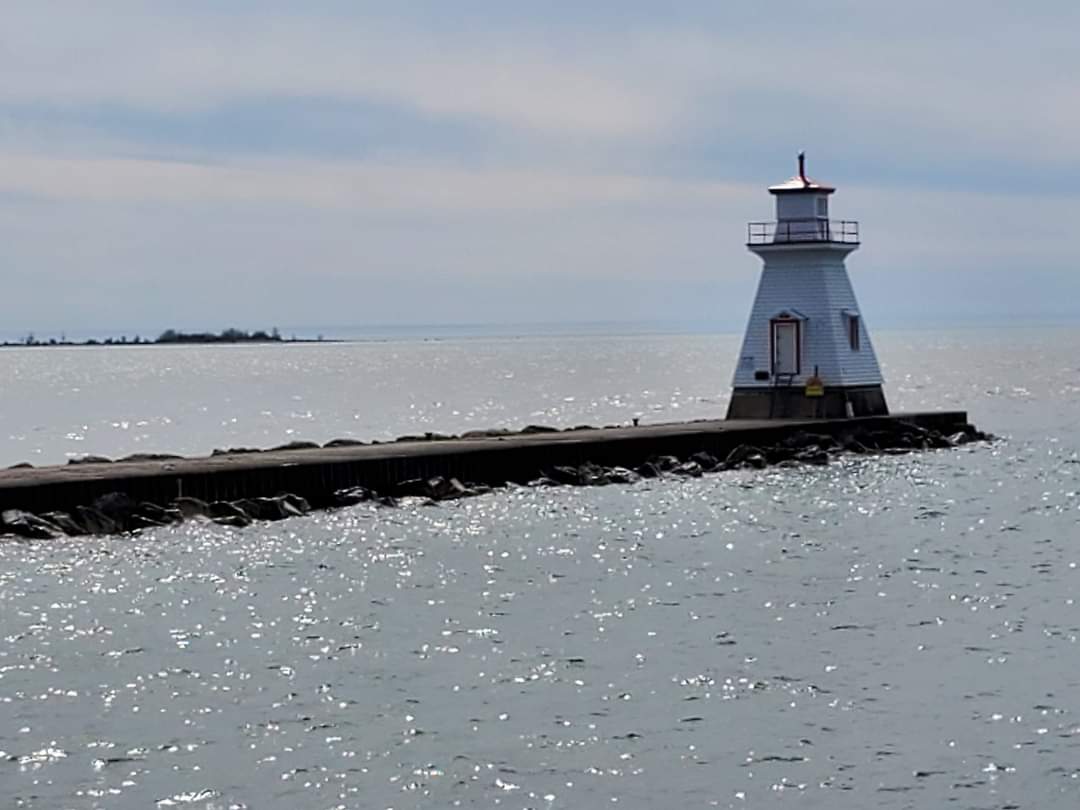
x=785 y=347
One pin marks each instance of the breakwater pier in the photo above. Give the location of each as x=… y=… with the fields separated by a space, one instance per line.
x=236 y=487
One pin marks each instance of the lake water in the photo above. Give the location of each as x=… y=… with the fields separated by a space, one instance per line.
x=885 y=632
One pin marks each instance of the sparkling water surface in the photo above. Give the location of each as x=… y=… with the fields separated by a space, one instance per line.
x=884 y=632
x=114 y=401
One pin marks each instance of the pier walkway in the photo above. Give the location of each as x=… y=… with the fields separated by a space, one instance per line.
x=315 y=473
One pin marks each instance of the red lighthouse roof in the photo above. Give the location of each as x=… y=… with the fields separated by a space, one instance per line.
x=801 y=183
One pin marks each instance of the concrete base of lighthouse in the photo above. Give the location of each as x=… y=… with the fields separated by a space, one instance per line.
x=779 y=402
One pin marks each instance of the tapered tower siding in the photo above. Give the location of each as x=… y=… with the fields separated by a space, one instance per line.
x=807 y=351
x=819 y=289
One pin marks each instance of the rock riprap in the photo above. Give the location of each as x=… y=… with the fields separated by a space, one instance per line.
x=117 y=513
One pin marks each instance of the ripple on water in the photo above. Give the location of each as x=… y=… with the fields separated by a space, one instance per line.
x=862 y=634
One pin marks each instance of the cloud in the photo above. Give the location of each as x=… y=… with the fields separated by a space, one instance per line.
x=517 y=161
x=838 y=70
x=218 y=247
x=177 y=62
x=359 y=187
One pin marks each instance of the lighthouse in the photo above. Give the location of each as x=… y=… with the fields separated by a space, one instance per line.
x=807 y=352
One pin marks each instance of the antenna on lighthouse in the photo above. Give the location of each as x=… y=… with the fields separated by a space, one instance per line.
x=802 y=167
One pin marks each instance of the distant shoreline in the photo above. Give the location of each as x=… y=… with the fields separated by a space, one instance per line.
x=170 y=337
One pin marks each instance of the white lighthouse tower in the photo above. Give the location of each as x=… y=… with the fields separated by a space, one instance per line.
x=807 y=352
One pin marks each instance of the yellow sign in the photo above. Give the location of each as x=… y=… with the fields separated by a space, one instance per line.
x=815 y=387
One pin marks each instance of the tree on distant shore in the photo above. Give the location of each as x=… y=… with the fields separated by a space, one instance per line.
x=230 y=335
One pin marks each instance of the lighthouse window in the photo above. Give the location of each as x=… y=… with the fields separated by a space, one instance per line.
x=822 y=207
x=853 y=332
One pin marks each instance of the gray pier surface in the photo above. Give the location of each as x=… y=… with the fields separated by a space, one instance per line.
x=317 y=473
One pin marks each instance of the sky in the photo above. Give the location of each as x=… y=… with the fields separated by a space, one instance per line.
x=197 y=164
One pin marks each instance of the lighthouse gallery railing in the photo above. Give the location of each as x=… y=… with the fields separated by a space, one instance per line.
x=843 y=231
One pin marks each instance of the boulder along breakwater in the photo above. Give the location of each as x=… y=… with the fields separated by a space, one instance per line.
x=239 y=486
